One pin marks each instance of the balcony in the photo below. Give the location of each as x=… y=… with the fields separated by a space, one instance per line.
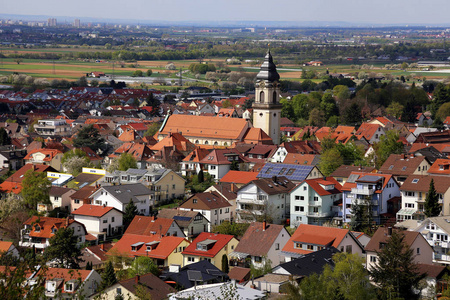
x=441 y=257
x=363 y=191
x=320 y=214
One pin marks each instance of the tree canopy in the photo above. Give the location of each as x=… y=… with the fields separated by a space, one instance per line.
x=74 y=161
x=432 y=208
x=89 y=137
x=35 y=189
x=395 y=271
x=63 y=249
x=127 y=161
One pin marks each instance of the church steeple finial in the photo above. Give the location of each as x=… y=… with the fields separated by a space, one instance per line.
x=268 y=70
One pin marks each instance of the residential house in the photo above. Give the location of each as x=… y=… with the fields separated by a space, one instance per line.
x=49 y=157
x=37 y=231
x=96 y=255
x=374 y=190
x=62 y=283
x=211 y=247
x=435 y=278
x=228 y=191
x=166 y=251
x=164 y=183
x=313 y=200
x=264 y=198
x=142 y=225
x=342 y=173
x=293 y=172
x=371 y=132
x=402 y=166
x=239 y=178
x=190 y=165
x=436 y=231
x=100 y=221
x=261 y=244
x=140 y=152
x=307 y=264
x=119 y=196
x=219 y=161
x=82 y=196
x=12 y=157
x=89 y=176
x=414 y=192
x=59 y=197
x=192 y=223
x=151 y=285
x=212 y=205
x=422 y=251
x=298 y=147
x=53 y=127
x=440 y=167
x=206 y=273
x=311 y=238
x=8 y=248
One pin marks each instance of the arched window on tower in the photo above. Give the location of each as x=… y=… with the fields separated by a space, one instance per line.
x=274 y=97
x=261 y=97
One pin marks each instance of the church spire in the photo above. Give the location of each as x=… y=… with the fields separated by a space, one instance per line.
x=268 y=70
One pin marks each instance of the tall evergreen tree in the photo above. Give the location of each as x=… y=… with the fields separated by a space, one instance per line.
x=63 y=249
x=395 y=271
x=130 y=211
x=108 y=276
x=89 y=137
x=225 y=267
x=432 y=206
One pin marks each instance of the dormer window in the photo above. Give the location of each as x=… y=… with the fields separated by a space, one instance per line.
x=37 y=228
x=194 y=200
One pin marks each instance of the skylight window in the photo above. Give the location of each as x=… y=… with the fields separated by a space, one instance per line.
x=415 y=180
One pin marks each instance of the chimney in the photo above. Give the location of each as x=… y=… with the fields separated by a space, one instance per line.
x=67 y=221
x=136 y=279
x=102 y=247
x=274 y=179
x=389 y=231
x=232 y=187
x=264 y=225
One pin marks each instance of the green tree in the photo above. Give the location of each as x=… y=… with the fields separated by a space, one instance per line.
x=395 y=109
x=152 y=129
x=236 y=229
x=387 y=145
x=362 y=218
x=352 y=115
x=108 y=276
x=348 y=280
x=330 y=160
x=201 y=176
x=127 y=161
x=63 y=249
x=137 y=73
x=143 y=265
x=443 y=111
x=130 y=211
x=35 y=189
x=341 y=92
x=149 y=72
x=432 y=206
x=154 y=104
x=89 y=137
x=74 y=161
x=395 y=272
x=4 y=138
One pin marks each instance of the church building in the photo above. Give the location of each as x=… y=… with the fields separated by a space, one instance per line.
x=216 y=131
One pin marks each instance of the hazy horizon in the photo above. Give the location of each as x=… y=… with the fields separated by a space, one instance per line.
x=202 y=11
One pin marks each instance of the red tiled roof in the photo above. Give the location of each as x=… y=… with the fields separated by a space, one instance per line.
x=221 y=240
x=318 y=186
x=46 y=224
x=440 y=166
x=317 y=235
x=49 y=153
x=4 y=246
x=164 y=245
x=240 y=177
x=93 y=210
x=142 y=225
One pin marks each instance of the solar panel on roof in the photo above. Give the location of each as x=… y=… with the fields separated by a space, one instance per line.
x=352 y=178
x=214 y=272
x=194 y=275
x=295 y=172
x=180 y=218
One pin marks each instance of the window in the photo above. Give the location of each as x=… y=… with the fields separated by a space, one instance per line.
x=310 y=247
x=418 y=251
x=105 y=221
x=258 y=259
x=220 y=212
x=119 y=291
x=297 y=208
x=277 y=246
x=215 y=212
x=191 y=259
x=298 y=245
x=373 y=259
x=173 y=186
x=56 y=199
x=79 y=228
x=69 y=287
x=316 y=198
x=302 y=208
x=112 y=219
x=348 y=248
x=212 y=167
x=304 y=188
x=76 y=201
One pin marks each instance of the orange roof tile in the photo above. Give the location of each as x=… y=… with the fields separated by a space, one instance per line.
x=143 y=225
x=93 y=210
x=440 y=166
x=221 y=240
x=4 y=246
x=49 y=153
x=162 y=247
x=239 y=177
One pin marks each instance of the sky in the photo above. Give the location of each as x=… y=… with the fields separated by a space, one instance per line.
x=352 y=11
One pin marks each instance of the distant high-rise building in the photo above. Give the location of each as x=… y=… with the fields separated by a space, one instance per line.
x=51 y=22
x=76 y=23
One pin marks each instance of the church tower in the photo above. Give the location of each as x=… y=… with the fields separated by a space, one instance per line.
x=267 y=107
